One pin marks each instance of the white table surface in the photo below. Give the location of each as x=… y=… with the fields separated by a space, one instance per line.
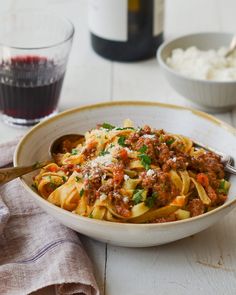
x=202 y=264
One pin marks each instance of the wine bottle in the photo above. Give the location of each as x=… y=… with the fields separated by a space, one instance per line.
x=126 y=30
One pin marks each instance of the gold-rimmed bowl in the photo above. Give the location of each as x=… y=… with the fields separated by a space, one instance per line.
x=197 y=125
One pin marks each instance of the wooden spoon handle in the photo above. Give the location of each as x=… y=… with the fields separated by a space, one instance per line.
x=8 y=174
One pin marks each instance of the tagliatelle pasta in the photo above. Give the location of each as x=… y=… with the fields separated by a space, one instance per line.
x=135 y=175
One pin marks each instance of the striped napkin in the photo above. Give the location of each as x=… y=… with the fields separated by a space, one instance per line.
x=35 y=250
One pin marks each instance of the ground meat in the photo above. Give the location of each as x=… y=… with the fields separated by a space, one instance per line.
x=115 y=197
x=209 y=163
x=118 y=174
x=123 y=211
x=213 y=181
x=164 y=153
x=145 y=130
x=196 y=207
x=165 y=189
x=151 y=147
x=107 y=187
x=69 y=168
x=178 y=146
x=211 y=194
x=132 y=138
x=170 y=218
x=158 y=132
x=93 y=176
x=179 y=162
x=147 y=181
x=91 y=194
x=221 y=199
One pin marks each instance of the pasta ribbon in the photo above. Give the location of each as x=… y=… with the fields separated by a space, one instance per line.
x=201 y=192
x=65 y=196
x=139 y=209
x=186 y=182
x=176 y=180
x=81 y=208
x=151 y=215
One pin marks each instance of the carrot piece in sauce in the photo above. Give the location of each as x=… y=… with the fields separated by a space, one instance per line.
x=203 y=179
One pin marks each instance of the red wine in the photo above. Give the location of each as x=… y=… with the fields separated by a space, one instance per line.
x=126 y=30
x=30 y=87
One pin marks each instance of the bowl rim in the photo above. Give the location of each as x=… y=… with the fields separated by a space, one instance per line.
x=66 y=213
x=164 y=65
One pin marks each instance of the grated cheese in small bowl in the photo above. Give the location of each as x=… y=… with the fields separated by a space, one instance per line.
x=207 y=65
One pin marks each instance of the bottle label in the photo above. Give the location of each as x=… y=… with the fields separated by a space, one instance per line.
x=158 y=17
x=101 y=15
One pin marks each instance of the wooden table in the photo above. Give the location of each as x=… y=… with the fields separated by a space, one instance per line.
x=201 y=264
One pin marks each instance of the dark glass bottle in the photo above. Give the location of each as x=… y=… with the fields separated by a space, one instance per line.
x=126 y=30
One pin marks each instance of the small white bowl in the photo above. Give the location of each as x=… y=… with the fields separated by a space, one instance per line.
x=197 y=125
x=211 y=96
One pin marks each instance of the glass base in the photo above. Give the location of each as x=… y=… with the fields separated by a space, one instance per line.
x=21 y=123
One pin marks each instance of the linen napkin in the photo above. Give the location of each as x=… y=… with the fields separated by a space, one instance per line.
x=35 y=250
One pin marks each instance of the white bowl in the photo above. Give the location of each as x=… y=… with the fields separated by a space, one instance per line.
x=199 y=126
x=211 y=96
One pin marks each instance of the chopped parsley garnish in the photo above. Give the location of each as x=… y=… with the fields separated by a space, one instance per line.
x=103 y=153
x=53 y=185
x=81 y=192
x=74 y=152
x=145 y=161
x=121 y=140
x=143 y=149
x=224 y=186
x=124 y=128
x=77 y=178
x=150 y=201
x=138 y=196
x=170 y=141
x=108 y=126
x=90 y=215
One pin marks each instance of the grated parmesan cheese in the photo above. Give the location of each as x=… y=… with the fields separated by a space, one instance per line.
x=151 y=136
x=116 y=195
x=150 y=172
x=102 y=160
x=126 y=177
x=103 y=197
x=128 y=150
x=207 y=65
x=125 y=199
